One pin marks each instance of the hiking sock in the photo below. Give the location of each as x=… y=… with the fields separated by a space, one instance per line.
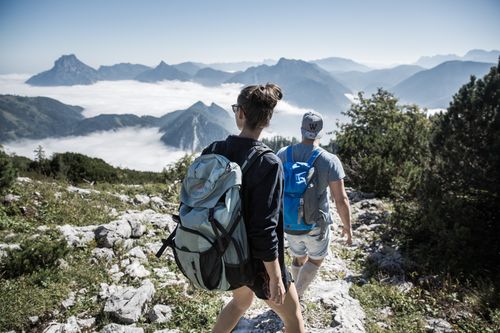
x=305 y=277
x=295 y=272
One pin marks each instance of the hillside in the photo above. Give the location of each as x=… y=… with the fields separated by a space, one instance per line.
x=35 y=117
x=109 y=122
x=104 y=276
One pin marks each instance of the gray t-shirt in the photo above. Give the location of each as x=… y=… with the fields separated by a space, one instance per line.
x=327 y=166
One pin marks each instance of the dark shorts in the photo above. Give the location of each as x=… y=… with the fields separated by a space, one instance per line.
x=260 y=285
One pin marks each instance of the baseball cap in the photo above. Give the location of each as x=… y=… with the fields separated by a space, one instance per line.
x=312 y=125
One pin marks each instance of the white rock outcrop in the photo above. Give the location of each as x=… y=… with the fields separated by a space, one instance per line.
x=128 y=304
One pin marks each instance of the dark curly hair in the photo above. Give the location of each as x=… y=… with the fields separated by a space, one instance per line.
x=258 y=103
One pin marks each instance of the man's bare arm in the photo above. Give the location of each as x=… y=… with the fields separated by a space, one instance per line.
x=343 y=208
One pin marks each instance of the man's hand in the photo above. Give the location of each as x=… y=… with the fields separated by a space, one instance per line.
x=347 y=231
x=277 y=291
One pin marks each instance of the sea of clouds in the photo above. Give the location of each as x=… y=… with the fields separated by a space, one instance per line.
x=137 y=148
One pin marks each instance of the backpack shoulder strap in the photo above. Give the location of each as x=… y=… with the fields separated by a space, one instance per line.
x=289 y=154
x=253 y=154
x=212 y=148
x=316 y=152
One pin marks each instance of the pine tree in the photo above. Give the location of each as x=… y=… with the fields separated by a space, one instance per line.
x=461 y=193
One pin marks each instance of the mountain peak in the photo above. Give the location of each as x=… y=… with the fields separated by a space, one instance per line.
x=67 y=71
x=68 y=60
x=284 y=61
x=198 y=106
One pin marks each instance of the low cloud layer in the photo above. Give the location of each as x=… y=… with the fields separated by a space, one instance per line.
x=133 y=97
x=133 y=148
x=139 y=149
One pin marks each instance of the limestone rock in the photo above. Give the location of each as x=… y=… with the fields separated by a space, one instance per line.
x=104 y=254
x=78 y=236
x=73 y=189
x=141 y=199
x=138 y=228
x=116 y=328
x=10 y=198
x=123 y=198
x=157 y=202
x=128 y=304
x=71 y=326
x=138 y=254
x=388 y=260
x=160 y=314
x=436 y=325
x=108 y=290
x=348 y=312
x=86 y=323
x=106 y=235
x=70 y=301
x=23 y=180
x=136 y=270
x=162 y=221
x=6 y=248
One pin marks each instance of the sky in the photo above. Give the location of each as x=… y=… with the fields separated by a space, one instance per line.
x=34 y=33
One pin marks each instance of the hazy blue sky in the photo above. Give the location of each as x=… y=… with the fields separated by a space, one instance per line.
x=33 y=33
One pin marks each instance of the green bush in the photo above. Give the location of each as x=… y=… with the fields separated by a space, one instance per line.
x=384 y=146
x=78 y=168
x=176 y=171
x=34 y=255
x=7 y=171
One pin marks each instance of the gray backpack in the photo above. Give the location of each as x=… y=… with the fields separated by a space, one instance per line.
x=210 y=242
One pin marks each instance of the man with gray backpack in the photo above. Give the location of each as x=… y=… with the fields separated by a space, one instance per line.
x=309 y=172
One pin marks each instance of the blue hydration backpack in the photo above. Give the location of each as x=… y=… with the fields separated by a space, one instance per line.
x=301 y=204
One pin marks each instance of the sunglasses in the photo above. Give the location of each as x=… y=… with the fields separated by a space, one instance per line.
x=235 y=107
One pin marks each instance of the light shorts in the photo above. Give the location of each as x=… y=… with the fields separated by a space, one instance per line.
x=309 y=245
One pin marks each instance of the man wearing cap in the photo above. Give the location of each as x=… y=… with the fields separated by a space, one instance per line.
x=310 y=249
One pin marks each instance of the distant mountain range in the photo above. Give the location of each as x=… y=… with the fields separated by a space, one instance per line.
x=320 y=84
x=435 y=87
x=472 y=55
x=370 y=81
x=43 y=117
x=124 y=71
x=336 y=65
x=304 y=84
x=162 y=72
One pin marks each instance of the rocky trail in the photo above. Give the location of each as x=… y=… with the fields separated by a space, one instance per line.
x=126 y=248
